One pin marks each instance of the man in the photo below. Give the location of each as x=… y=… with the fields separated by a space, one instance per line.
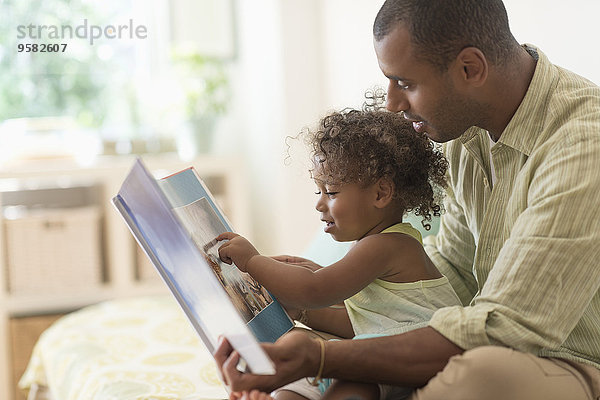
x=520 y=237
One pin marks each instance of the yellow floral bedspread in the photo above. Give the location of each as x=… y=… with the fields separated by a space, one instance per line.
x=142 y=349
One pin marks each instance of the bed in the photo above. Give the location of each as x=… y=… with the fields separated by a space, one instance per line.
x=140 y=348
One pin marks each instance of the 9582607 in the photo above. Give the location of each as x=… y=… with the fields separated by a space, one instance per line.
x=41 y=47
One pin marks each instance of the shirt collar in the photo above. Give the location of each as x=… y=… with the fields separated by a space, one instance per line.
x=527 y=123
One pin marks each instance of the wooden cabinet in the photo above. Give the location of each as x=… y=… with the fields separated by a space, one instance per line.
x=63 y=246
x=24 y=333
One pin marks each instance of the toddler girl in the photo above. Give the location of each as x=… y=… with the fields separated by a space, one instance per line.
x=370 y=168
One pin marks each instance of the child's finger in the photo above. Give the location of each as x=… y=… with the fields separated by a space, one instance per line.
x=224 y=254
x=226 y=236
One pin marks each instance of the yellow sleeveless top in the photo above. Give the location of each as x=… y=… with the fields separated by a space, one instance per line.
x=406 y=228
x=390 y=308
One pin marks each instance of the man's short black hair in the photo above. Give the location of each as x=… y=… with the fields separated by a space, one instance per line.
x=440 y=29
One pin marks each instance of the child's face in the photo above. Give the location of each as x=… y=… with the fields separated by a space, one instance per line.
x=346 y=209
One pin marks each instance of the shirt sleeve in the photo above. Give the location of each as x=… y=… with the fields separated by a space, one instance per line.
x=546 y=274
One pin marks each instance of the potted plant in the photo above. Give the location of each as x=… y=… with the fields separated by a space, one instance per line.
x=206 y=93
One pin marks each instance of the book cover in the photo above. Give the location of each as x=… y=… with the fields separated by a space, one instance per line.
x=175 y=221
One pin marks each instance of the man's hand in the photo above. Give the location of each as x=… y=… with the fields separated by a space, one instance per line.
x=295 y=356
x=237 y=250
x=302 y=262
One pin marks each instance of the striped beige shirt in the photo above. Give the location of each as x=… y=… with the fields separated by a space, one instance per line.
x=524 y=255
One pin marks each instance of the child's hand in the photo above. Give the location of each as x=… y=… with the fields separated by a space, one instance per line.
x=237 y=250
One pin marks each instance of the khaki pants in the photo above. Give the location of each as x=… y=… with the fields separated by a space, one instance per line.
x=498 y=373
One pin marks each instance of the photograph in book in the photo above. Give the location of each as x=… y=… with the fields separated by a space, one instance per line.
x=203 y=224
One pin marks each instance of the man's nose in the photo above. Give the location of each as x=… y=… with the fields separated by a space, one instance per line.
x=396 y=100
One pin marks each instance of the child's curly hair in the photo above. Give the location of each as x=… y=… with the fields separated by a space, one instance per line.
x=354 y=146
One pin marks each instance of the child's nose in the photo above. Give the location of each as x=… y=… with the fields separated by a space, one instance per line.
x=320 y=206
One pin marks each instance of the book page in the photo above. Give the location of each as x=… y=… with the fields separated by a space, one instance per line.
x=201 y=221
x=202 y=218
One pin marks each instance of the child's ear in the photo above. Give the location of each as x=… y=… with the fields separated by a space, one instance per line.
x=384 y=190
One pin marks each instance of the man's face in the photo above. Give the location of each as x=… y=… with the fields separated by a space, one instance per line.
x=427 y=96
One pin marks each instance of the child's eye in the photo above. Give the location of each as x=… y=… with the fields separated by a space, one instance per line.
x=329 y=194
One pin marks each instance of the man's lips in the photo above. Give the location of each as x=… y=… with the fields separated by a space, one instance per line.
x=419 y=126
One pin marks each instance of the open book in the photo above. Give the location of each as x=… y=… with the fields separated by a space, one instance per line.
x=175 y=220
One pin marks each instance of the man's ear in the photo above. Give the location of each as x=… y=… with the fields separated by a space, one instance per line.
x=471 y=66
x=384 y=192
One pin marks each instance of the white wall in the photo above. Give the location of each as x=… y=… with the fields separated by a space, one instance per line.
x=258 y=102
x=567 y=32
x=279 y=91
x=301 y=58
x=350 y=65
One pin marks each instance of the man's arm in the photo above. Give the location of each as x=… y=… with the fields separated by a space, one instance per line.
x=541 y=293
x=409 y=359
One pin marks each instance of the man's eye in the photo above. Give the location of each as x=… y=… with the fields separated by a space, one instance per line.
x=331 y=194
x=402 y=85
x=318 y=192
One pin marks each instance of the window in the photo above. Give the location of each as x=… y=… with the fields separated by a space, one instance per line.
x=112 y=70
